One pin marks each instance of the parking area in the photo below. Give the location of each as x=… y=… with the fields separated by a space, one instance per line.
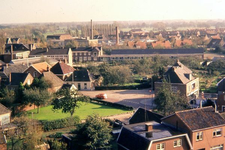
x=134 y=98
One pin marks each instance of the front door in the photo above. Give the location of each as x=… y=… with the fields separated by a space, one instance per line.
x=78 y=86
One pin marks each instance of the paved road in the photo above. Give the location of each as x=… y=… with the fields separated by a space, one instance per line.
x=133 y=98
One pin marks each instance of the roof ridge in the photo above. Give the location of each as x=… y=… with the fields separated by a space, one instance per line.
x=193 y=109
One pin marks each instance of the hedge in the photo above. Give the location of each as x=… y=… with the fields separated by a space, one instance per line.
x=59 y=123
x=120 y=106
x=141 y=86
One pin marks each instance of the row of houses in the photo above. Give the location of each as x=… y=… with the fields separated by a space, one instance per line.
x=193 y=129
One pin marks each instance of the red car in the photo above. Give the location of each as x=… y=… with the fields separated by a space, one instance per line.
x=101 y=96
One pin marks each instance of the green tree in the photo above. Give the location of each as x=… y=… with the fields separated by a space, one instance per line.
x=93 y=134
x=167 y=101
x=41 y=84
x=68 y=100
x=37 y=97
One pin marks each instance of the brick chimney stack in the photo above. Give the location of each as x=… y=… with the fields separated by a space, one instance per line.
x=117 y=36
x=91 y=30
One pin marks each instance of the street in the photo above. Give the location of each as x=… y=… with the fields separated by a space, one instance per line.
x=134 y=98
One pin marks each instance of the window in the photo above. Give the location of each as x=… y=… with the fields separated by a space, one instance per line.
x=160 y=146
x=28 y=82
x=224 y=97
x=177 y=143
x=199 y=136
x=85 y=85
x=217 y=147
x=217 y=132
x=193 y=86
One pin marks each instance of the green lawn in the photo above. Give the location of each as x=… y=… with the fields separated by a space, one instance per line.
x=46 y=113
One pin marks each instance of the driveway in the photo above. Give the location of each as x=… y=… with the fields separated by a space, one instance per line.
x=134 y=98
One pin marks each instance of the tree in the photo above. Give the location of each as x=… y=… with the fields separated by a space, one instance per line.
x=37 y=97
x=41 y=84
x=68 y=101
x=93 y=134
x=167 y=101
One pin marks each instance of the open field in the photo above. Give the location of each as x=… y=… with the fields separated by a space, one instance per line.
x=46 y=113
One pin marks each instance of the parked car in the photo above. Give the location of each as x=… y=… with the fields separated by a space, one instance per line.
x=101 y=96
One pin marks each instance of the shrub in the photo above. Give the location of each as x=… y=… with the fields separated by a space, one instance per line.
x=60 y=123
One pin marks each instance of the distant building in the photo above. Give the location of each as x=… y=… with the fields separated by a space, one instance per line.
x=221 y=95
x=57 y=54
x=16 y=78
x=181 y=79
x=5 y=115
x=81 y=79
x=37 y=69
x=84 y=54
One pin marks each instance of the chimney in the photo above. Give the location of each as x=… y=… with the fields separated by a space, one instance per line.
x=117 y=36
x=91 y=30
x=148 y=126
x=7 y=65
x=47 y=49
x=11 y=51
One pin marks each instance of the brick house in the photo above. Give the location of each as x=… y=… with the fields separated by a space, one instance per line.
x=84 y=54
x=16 y=78
x=180 y=78
x=221 y=95
x=204 y=126
x=62 y=70
x=37 y=69
x=81 y=79
x=152 y=136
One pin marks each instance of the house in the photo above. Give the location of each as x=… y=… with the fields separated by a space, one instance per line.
x=5 y=115
x=161 y=44
x=72 y=87
x=8 y=69
x=221 y=95
x=215 y=42
x=16 y=78
x=37 y=69
x=56 y=82
x=152 y=136
x=181 y=43
x=81 y=79
x=204 y=126
x=57 y=54
x=62 y=70
x=143 y=115
x=181 y=79
x=84 y=54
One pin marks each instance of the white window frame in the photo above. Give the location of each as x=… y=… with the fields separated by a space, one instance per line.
x=160 y=146
x=199 y=136
x=217 y=132
x=177 y=143
x=217 y=147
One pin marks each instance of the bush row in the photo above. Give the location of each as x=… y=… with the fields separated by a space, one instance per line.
x=120 y=106
x=141 y=86
x=60 y=123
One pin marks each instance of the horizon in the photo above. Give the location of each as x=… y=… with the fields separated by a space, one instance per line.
x=60 y=11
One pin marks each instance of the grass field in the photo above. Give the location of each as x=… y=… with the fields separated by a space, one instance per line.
x=46 y=113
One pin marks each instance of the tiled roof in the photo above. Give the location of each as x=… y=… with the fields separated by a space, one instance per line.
x=156 y=51
x=17 y=68
x=85 y=49
x=200 y=118
x=49 y=52
x=214 y=42
x=42 y=66
x=16 y=78
x=62 y=68
x=56 y=81
x=142 y=115
x=80 y=75
x=176 y=74
x=4 y=110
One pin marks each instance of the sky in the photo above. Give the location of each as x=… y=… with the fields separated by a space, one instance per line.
x=34 y=11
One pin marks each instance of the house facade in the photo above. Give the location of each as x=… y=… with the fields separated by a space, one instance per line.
x=37 y=69
x=87 y=54
x=204 y=126
x=181 y=79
